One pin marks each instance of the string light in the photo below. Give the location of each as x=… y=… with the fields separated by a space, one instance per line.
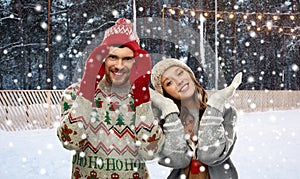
x=193 y=13
x=269 y=25
x=275 y=18
x=292 y=17
x=258 y=28
x=246 y=16
x=275 y=15
x=259 y=17
x=205 y=14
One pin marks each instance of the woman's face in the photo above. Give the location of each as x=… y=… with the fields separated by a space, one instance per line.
x=178 y=83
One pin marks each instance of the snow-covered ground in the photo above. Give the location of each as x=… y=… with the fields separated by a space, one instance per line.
x=268 y=147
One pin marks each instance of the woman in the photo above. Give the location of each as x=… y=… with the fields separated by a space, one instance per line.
x=208 y=124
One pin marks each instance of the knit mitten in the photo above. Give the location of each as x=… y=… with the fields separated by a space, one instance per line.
x=94 y=65
x=217 y=100
x=175 y=149
x=166 y=105
x=140 y=77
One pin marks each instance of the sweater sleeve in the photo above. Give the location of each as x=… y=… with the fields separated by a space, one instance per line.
x=175 y=151
x=75 y=117
x=149 y=135
x=217 y=135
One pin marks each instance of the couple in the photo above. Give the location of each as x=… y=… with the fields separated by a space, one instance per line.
x=114 y=122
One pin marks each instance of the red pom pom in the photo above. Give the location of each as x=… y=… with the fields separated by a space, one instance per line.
x=195 y=166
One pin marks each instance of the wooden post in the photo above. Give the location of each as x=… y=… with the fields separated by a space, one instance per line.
x=48 y=120
x=48 y=61
x=163 y=28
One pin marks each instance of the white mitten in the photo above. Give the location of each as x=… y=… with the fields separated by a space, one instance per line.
x=217 y=100
x=166 y=105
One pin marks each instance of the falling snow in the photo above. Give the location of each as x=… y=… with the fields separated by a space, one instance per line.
x=268 y=146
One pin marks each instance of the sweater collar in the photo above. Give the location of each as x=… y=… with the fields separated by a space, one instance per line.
x=113 y=90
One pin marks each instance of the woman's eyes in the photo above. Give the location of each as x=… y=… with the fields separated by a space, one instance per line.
x=180 y=73
x=169 y=83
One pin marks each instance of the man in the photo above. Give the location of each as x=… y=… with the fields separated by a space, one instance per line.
x=107 y=118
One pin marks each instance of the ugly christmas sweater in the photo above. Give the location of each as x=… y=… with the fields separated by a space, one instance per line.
x=111 y=140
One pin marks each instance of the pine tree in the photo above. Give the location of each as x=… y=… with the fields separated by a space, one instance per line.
x=107 y=118
x=131 y=106
x=120 y=120
x=66 y=106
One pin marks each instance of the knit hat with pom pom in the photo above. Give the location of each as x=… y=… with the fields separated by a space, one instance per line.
x=123 y=34
x=160 y=67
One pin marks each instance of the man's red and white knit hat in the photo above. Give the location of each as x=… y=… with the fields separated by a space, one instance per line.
x=123 y=34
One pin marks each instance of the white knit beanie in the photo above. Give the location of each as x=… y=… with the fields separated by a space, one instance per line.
x=160 y=67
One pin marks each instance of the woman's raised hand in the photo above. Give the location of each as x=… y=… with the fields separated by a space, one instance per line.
x=218 y=99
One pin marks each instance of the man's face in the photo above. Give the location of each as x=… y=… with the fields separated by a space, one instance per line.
x=118 y=66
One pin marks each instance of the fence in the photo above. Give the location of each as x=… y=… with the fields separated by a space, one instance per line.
x=35 y=109
x=28 y=109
